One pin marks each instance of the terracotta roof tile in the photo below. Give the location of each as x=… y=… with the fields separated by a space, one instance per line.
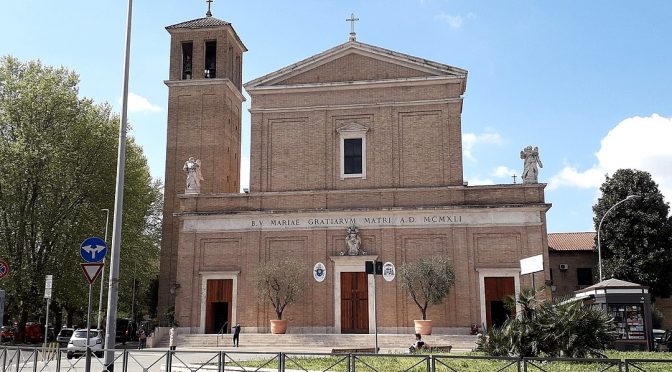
x=200 y=23
x=574 y=241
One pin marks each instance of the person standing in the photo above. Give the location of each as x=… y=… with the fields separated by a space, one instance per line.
x=142 y=339
x=236 y=335
x=172 y=338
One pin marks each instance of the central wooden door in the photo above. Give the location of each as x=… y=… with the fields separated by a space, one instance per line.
x=218 y=305
x=354 y=303
x=496 y=290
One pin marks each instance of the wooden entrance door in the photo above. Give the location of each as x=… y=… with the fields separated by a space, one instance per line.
x=496 y=290
x=354 y=303
x=218 y=305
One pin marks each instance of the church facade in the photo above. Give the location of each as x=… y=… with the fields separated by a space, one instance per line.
x=356 y=138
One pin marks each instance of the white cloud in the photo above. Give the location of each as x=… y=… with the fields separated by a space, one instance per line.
x=244 y=172
x=138 y=103
x=639 y=142
x=454 y=21
x=473 y=181
x=469 y=140
x=503 y=171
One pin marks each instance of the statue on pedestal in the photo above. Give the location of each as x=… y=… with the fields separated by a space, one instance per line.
x=352 y=241
x=531 y=160
x=192 y=168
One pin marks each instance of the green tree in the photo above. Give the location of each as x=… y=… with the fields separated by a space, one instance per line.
x=427 y=281
x=57 y=171
x=636 y=236
x=280 y=283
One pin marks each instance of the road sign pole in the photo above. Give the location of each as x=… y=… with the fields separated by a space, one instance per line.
x=88 y=330
x=46 y=323
x=375 y=313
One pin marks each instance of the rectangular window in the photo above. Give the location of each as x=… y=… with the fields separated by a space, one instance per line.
x=210 y=59
x=187 y=54
x=584 y=276
x=352 y=155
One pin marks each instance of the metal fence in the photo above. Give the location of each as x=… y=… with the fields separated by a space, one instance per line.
x=18 y=359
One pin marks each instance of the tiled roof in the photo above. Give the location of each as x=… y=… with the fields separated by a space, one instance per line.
x=574 y=241
x=200 y=23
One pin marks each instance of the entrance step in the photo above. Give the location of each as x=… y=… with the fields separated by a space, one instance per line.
x=322 y=341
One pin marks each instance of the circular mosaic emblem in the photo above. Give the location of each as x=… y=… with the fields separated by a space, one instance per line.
x=319 y=272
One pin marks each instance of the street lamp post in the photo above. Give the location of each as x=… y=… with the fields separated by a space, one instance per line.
x=599 y=250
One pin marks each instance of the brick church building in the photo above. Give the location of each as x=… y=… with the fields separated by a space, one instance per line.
x=357 y=135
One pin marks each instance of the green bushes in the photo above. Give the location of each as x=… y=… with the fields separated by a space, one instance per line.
x=550 y=328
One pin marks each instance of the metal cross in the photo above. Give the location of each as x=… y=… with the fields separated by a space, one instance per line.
x=208 y=14
x=352 y=21
x=514 y=178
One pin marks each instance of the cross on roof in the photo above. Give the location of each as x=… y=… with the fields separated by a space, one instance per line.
x=352 y=20
x=514 y=178
x=208 y=14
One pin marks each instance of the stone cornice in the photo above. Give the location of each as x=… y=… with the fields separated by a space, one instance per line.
x=359 y=105
x=203 y=82
x=402 y=82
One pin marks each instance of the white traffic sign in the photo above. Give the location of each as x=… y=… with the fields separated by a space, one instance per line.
x=91 y=271
x=93 y=249
x=47 y=286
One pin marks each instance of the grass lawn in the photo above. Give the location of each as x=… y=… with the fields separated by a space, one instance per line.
x=455 y=361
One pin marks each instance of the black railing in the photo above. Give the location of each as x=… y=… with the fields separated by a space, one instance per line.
x=22 y=359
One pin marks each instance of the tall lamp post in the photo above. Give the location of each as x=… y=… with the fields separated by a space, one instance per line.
x=599 y=250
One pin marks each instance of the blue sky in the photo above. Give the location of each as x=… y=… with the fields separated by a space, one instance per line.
x=589 y=82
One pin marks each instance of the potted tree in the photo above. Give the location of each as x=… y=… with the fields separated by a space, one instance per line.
x=427 y=282
x=280 y=283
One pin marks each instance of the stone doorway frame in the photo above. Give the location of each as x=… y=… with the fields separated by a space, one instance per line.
x=215 y=275
x=497 y=273
x=354 y=264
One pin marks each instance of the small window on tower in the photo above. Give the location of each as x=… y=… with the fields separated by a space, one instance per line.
x=210 y=59
x=187 y=53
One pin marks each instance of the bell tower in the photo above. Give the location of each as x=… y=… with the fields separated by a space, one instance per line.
x=204 y=122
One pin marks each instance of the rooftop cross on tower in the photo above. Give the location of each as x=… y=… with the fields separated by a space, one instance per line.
x=352 y=20
x=208 y=14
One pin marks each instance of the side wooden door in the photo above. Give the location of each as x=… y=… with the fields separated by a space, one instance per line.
x=354 y=303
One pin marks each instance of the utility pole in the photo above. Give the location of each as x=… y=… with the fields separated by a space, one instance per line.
x=102 y=275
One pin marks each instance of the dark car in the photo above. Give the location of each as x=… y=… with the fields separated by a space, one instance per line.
x=126 y=330
x=665 y=343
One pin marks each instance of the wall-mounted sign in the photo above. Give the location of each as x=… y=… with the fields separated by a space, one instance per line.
x=389 y=272
x=319 y=272
x=531 y=264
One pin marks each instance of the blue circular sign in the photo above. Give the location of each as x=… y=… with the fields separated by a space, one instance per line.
x=93 y=249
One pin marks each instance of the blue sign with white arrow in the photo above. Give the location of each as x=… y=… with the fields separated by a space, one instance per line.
x=93 y=249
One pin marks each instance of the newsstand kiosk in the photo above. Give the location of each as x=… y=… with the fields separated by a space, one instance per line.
x=629 y=304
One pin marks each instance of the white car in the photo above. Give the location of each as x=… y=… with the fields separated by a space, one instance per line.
x=77 y=343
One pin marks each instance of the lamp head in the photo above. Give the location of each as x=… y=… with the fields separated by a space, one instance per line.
x=631 y=197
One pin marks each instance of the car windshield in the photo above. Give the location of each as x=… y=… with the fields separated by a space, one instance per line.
x=82 y=333
x=67 y=333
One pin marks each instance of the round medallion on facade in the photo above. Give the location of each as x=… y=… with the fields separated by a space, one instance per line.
x=389 y=272
x=319 y=272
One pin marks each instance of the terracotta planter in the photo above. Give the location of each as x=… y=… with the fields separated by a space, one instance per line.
x=423 y=327
x=278 y=326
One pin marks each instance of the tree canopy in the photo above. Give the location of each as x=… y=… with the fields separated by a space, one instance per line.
x=427 y=281
x=58 y=155
x=636 y=236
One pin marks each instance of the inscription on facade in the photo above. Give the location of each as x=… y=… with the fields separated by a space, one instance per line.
x=362 y=219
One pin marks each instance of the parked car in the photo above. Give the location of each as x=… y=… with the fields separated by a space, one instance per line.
x=7 y=333
x=64 y=336
x=126 y=330
x=77 y=343
x=34 y=332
